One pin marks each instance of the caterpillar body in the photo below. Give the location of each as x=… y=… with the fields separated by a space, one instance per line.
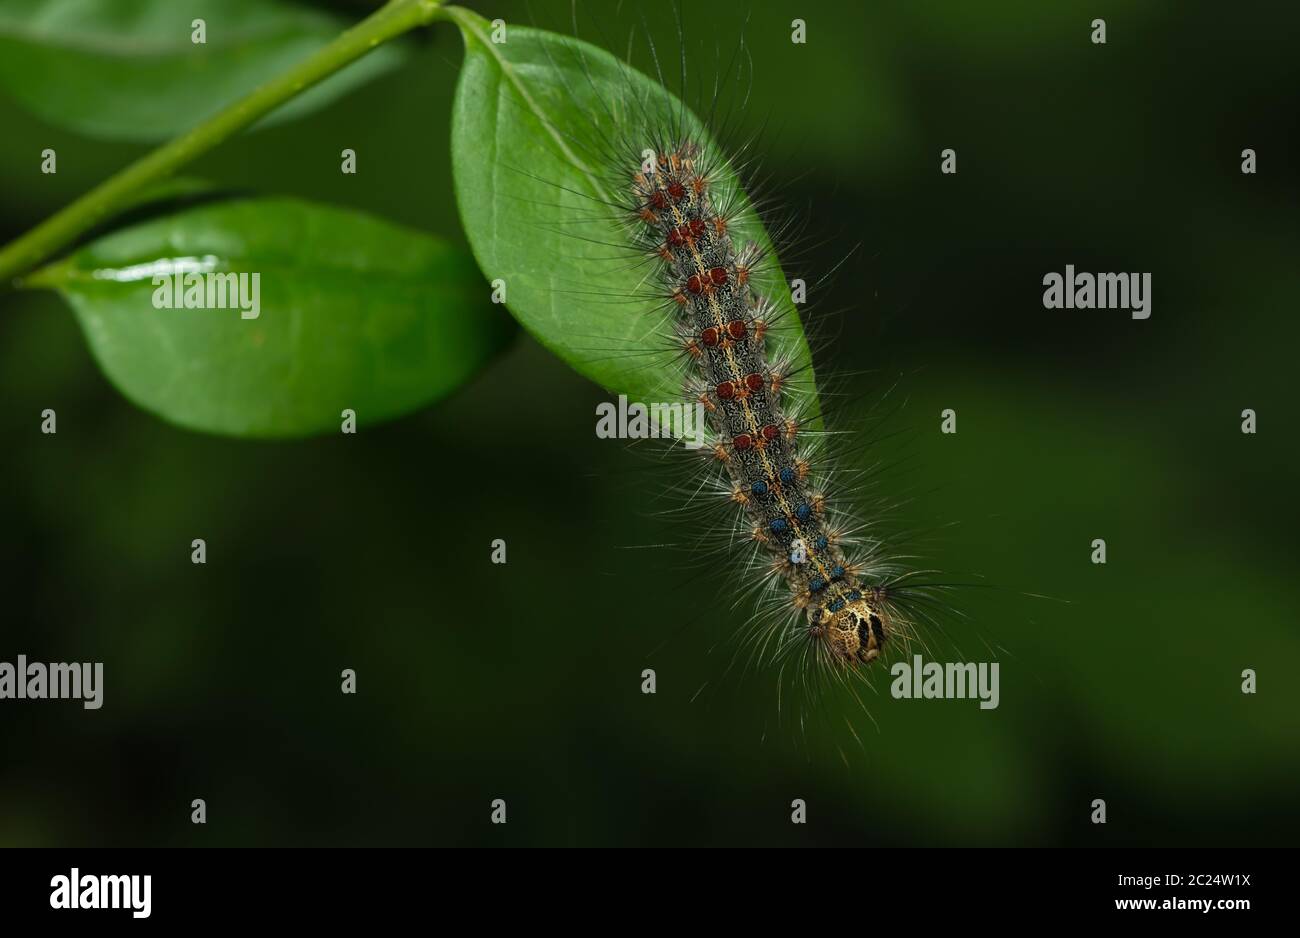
x=722 y=324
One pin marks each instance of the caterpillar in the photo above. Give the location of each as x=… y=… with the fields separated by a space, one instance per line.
x=722 y=326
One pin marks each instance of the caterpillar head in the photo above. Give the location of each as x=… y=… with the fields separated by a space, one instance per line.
x=856 y=631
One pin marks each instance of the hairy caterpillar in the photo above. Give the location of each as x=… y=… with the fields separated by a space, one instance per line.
x=722 y=327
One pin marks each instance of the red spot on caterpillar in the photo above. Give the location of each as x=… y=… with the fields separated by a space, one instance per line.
x=718 y=275
x=709 y=337
x=676 y=191
x=657 y=199
x=697 y=228
x=770 y=432
x=743 y=441
x=736 y=328
x=695 y=284
x=754 y=381
x=726 y=390
x=677 y=236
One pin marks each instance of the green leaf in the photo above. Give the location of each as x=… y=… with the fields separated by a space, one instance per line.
x=129 y=70
x=352 y=312
x=532 y=122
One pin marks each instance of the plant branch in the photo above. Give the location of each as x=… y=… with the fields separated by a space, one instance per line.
x=61 y=229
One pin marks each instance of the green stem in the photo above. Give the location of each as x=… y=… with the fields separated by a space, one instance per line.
x=61 y=229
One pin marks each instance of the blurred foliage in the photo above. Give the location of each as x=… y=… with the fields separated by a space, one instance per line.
x=132 y=70
x=522 y=682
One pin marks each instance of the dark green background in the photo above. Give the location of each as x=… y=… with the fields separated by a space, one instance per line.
x=523 y=681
